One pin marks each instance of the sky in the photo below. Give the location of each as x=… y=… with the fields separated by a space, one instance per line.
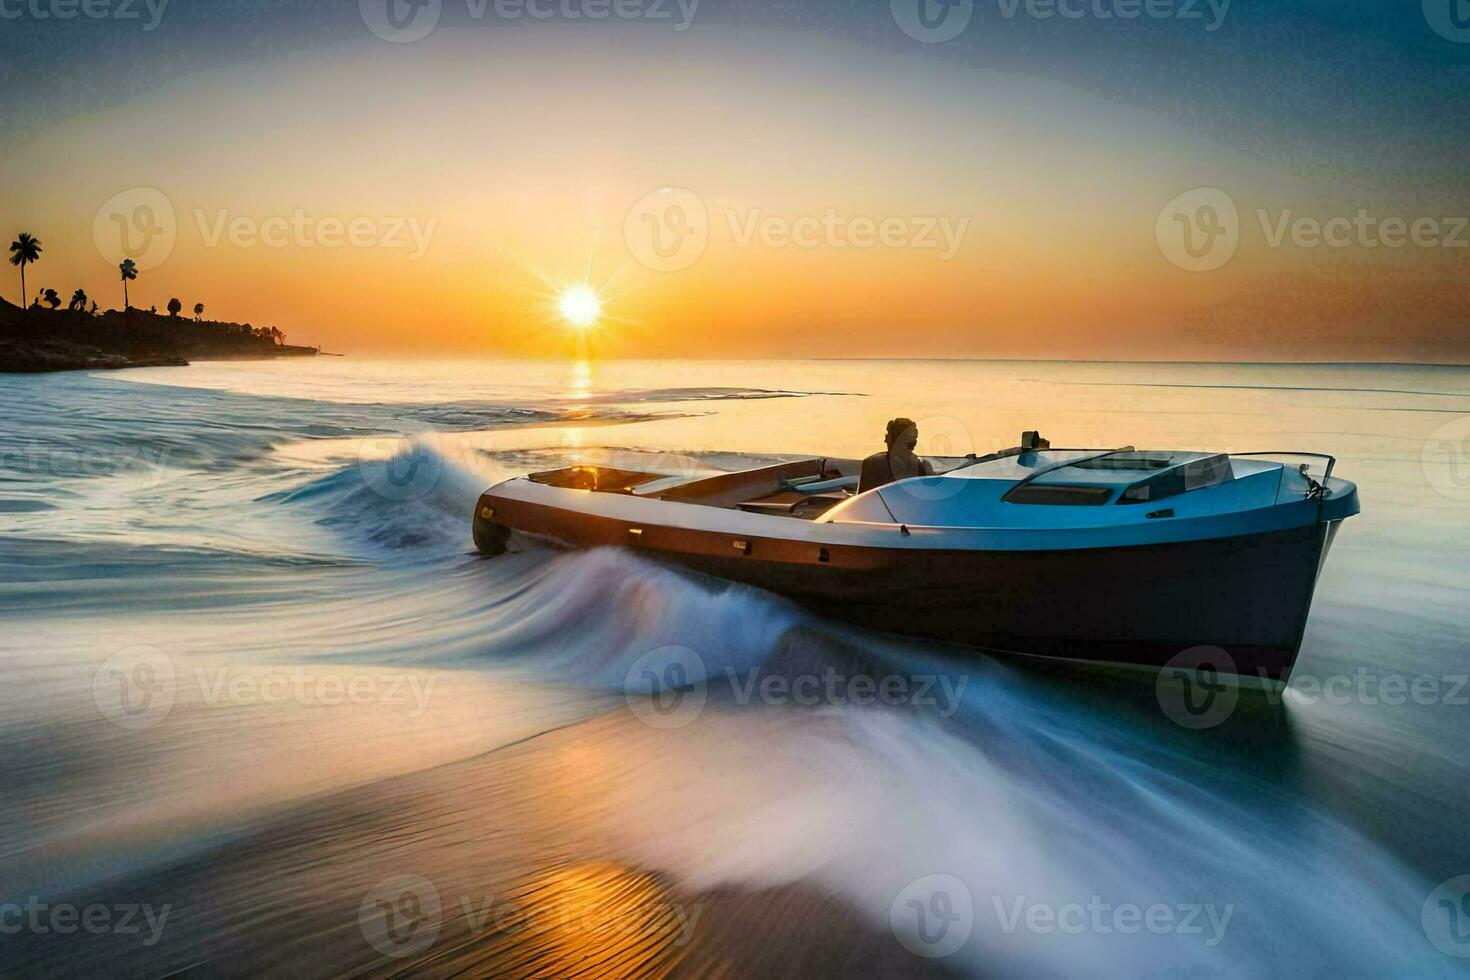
x=1103 y=179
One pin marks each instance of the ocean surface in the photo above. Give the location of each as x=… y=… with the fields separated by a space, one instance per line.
x=263 y=708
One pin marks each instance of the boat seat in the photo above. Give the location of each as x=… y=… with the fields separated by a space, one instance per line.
x=783 y=502
x=787 y=501
x=820 y=487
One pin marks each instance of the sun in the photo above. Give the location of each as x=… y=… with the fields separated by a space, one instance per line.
x=580 y=306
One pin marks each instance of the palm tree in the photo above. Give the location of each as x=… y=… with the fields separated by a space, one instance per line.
x=129 y=270
x=78 y=300
x=198 y=311
x=24 y=250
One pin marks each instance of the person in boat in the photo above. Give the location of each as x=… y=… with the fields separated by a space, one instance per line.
x=898 y=461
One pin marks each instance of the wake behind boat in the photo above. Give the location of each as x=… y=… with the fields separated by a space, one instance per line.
x=1121 y=555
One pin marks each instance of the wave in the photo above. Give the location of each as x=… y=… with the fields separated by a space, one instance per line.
x=416 y=502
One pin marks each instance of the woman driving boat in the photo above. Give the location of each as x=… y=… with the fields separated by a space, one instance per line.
x=898 y=461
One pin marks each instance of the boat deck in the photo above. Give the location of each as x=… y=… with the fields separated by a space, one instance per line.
x=803 y=489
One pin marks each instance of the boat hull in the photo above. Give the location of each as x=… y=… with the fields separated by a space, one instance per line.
x=1145 y=604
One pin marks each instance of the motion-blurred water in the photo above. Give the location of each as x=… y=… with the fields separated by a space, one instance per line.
x=253 y=674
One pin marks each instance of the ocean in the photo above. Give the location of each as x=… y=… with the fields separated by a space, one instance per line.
x=263 y=707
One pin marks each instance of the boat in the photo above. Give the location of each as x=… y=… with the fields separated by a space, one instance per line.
x=1118 y=556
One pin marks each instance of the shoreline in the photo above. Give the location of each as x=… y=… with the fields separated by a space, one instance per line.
x=43 y=341
x=40 y=360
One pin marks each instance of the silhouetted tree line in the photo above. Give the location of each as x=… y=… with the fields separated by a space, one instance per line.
x=26 y=250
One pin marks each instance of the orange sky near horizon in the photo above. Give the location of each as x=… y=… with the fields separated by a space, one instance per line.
x=930 y=210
